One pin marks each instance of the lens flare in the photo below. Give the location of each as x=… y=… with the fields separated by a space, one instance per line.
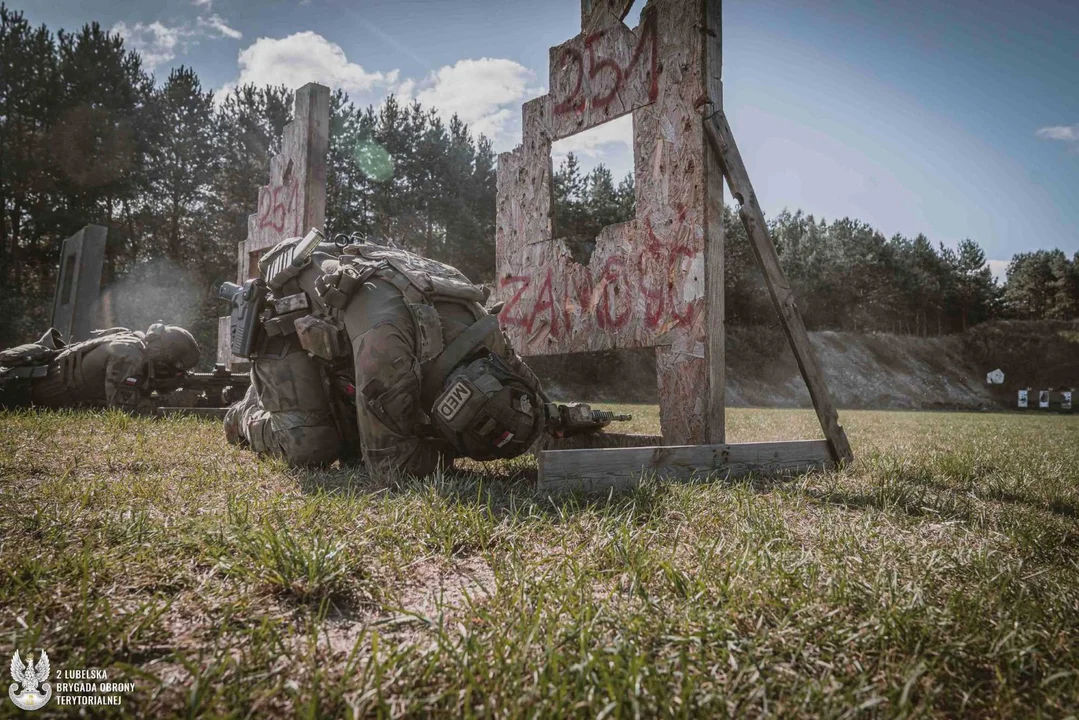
x=374 y=161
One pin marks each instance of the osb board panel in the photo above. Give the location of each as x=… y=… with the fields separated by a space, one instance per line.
x=644 y=284
x=590 y=9
x=603 y=73
x=294 y=201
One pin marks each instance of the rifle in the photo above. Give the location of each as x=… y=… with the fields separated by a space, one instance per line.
x=579 y=419
x=217 y=389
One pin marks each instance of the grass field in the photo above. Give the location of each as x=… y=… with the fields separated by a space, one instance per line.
x=937 y=576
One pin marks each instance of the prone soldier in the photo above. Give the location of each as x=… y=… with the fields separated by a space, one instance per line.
x=114 y=368
x=405 y=339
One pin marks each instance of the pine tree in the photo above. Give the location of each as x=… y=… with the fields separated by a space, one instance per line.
x=183 y=161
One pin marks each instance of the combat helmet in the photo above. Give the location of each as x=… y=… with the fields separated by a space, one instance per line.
x=172 y=346
x=487 y=411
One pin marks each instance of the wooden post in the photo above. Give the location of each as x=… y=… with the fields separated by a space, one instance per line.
x=726 y=151
x=715 y=312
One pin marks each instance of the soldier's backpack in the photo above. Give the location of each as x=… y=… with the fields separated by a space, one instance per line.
x=41 y=352
x=21 y=364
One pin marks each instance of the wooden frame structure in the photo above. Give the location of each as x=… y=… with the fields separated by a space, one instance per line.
x=647 y=283
x=294 y=201
x=656 y=281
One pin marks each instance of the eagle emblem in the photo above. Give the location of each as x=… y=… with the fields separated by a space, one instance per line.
x=30 y=676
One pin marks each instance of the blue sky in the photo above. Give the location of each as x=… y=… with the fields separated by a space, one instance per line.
x=955 y=119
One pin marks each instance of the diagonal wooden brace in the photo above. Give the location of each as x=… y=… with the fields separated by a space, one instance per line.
x=720 y=137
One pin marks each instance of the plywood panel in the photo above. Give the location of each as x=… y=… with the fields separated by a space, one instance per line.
x=644 y=285
x=294 y=200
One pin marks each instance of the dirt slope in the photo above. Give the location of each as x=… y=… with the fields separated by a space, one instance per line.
x=863 y=371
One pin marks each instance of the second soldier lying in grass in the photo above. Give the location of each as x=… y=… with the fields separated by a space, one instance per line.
x=365 y=349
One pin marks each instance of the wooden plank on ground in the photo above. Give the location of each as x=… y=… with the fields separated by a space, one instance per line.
x=199 y=411
x=602 y=469
x=721 y=139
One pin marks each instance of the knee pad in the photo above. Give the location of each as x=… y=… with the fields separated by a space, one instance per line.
x=311 y=441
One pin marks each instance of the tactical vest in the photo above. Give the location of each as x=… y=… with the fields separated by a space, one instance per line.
x=70 y=358
x=422 y=282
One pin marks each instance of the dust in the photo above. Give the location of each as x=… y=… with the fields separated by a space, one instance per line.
x=153 y=291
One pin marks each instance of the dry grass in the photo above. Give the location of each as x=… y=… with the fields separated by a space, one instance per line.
x=939 y=576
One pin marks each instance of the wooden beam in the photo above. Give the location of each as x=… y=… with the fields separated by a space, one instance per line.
x=714 y=329
x=603 y=469
x=721 y=139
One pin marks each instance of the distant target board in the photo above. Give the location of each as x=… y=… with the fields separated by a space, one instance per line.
x=1059 y=400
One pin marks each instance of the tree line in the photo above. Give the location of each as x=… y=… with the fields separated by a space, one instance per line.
x=87 y=135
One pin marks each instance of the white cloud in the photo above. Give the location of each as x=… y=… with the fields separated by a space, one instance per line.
x=999 y=268
x=1063 y=133
x=406 y=91
x=156 y=43
x=159 y=43
x=203 y=3
x=485 y=93
x=215 y=26
x=598 y=140
x=302 y=58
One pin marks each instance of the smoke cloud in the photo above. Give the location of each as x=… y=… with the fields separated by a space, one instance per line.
x=153 y=291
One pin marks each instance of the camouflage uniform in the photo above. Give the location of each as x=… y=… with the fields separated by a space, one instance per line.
x=286 y=411
x=114 y=368
x=393 y=334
